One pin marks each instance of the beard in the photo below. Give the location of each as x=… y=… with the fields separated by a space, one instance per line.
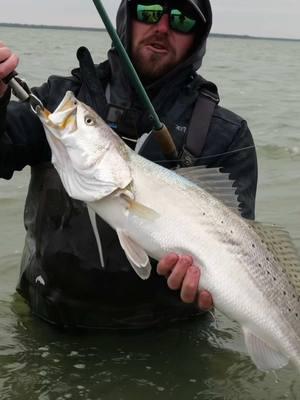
x=150 y=65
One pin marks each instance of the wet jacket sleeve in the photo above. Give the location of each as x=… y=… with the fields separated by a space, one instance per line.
x=22 y=137
x=3 y=106
x=22 y=140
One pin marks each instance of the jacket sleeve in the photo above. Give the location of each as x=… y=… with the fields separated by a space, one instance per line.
x=3 y=105
x=22 y=137
x=240 y=161
x=22 y=141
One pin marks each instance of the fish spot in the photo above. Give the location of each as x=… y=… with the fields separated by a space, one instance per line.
x=274 y=279
x=284 y=293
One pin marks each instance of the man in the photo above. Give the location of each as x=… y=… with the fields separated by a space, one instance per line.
x=61 y=276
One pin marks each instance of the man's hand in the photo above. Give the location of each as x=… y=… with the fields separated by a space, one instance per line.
x=183 y=274
x=8 y=63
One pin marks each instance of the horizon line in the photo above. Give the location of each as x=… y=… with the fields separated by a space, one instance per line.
x=70 y=27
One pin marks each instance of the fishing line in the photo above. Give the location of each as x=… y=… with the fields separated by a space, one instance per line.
x=209 y=156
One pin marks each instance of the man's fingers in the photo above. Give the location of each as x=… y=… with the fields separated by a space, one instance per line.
x=179 y=271
x=182 y=273
x=205 y=301
x=8 y=66
x=167 y=263
x=190 y=285
x=8 y=62
x=5 y=53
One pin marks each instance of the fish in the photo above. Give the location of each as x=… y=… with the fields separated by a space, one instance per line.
x=252 y=270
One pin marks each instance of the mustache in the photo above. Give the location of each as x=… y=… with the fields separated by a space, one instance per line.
x=157 y=38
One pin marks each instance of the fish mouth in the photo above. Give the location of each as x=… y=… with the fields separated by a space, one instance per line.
x=58 y=126
x=63 y=119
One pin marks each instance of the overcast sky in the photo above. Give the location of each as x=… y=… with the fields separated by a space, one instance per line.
x=272 y=18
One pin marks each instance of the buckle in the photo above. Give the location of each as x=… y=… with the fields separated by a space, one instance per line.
x=187 y=159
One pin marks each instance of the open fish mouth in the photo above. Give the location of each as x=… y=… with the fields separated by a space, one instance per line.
x=83 y=149
x=58 y=126
x=63 y=119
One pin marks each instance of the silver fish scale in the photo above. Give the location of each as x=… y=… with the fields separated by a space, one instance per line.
x=256 y=254
x=265 y=270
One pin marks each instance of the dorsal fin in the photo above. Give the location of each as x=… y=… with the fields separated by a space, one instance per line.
x=214 y=182
x=280 y=244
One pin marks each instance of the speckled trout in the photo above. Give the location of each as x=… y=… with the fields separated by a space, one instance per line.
x=251 y=270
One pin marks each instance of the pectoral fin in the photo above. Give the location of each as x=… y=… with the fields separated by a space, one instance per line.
x=263 y=355
x=139 y=209
x=136 y=255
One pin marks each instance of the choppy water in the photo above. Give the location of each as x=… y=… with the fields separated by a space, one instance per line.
x=200 y=360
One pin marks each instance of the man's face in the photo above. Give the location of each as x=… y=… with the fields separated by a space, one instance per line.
x=156 y=49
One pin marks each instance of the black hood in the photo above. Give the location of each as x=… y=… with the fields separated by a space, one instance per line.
x=190 y=65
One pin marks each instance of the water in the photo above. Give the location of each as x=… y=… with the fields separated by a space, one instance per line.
x=197 y=360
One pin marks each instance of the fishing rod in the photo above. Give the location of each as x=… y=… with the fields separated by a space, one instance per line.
x=159 y=129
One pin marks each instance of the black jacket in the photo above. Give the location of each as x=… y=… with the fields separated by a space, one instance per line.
x=60 y=273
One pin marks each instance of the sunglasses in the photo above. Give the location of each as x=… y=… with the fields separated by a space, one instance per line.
x=183 y=18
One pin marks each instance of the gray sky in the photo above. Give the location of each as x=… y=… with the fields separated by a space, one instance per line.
x=272 y=18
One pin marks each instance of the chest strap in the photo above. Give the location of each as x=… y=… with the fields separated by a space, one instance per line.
x=198 y=127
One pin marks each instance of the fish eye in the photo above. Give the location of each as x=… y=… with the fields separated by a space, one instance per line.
x=89 y=120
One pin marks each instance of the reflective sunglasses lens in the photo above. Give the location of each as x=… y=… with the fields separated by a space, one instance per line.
x=149 y=14
x=181 y=23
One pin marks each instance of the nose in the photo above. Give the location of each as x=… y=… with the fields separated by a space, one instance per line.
x=163 y=25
